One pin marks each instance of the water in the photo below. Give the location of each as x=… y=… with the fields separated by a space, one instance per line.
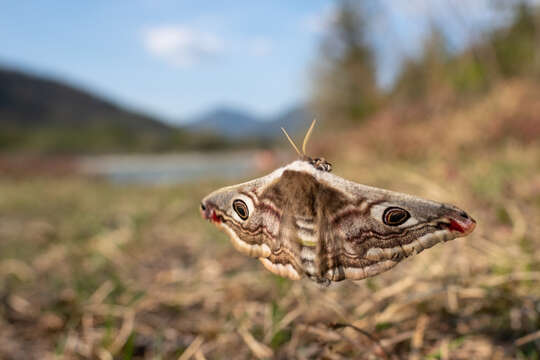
x=169 y=169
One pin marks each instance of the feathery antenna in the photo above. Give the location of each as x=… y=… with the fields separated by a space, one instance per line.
x=306 y=139
x=292 y=142
x=308 y=134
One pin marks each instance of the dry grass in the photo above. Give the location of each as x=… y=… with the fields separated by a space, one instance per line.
x=93 y=270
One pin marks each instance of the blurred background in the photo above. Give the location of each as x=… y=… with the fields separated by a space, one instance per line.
x=116 y=118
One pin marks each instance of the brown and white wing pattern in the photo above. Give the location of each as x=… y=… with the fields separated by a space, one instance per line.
x=266 y=228
x=301 y=221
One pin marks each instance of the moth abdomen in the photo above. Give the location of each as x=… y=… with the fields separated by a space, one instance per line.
x=307 y=258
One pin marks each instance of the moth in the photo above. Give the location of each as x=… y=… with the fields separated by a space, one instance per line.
x=303 y=221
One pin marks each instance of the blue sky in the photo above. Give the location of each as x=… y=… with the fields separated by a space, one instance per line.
x=175 y=59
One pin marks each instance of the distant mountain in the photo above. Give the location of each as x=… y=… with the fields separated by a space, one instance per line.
x=38 y=114
x=225 y=121
x=33 y=101
x=233 y=123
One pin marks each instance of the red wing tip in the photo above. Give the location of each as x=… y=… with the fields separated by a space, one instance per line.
x=463 y=226
x=215 y=218
x=209 y=214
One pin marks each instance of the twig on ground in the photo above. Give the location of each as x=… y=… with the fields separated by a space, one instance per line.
x=366 y=334
x=192 y=349
x=528 y=338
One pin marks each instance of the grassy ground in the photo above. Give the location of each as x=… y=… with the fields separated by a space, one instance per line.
x=95 y=270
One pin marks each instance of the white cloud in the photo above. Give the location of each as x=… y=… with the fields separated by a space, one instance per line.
x=260 y=46
x=181 y=45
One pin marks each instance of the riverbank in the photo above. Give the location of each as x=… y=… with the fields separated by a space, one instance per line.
x=150 y=169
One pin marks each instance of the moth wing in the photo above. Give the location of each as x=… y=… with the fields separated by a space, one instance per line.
x=283 y=259
x=356 y=244
x=348 y=236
